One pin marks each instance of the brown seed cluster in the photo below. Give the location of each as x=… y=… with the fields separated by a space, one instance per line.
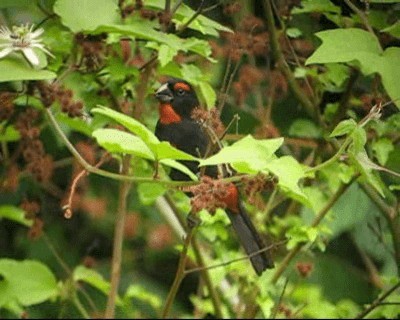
x=49 y=93
x=250 y=38
x=211 y=118
x=256 y=184
x=93 y=50
x=6 y=105
x=210 y=194
x=249 y=78
x=39 y=164
x=304 y=268
x=32 y=208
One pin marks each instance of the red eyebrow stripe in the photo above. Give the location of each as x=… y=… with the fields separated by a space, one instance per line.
x=181 y=85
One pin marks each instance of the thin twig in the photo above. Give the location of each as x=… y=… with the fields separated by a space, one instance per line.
x=292 y=253
x=362 y=16
x=180 y=274
x=278 y=303
x=377 y=302
x=246 y=257
x=282 y=64
x=118 y=240
x=199 y=260
x=192 y=18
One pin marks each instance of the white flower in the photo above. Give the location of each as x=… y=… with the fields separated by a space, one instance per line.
x=24 y=39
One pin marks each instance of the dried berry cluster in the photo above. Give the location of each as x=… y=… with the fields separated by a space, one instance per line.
x=211 y=118
x=39 y=164
x=250 y=38
x=210 y=194
x=93 y=47
x=256 y=184
x=32 y=208
x=6 y=105
x=304 y=268
x=164 y=18
x=50 y=93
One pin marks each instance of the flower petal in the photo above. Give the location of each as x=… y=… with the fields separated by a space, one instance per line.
x=41 y=47
x=36 y=33
x=31 y=56
x=5 y=52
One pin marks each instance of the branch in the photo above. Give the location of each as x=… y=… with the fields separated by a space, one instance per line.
x=377 y=302
x=362 y=16
x=118 y=240
x=391 y=216
x=282 y=64
x=180 y=274
x=292 y=253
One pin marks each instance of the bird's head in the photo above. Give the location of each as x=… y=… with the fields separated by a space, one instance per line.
x=177 y=100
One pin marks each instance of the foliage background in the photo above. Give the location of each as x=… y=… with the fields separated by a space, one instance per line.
x=316 y=73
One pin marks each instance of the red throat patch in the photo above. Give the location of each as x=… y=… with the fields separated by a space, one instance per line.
x=168 y=114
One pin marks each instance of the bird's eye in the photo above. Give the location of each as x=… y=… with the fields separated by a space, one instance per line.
x=180 y=92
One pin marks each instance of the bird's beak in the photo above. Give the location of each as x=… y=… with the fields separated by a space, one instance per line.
x=164 y=94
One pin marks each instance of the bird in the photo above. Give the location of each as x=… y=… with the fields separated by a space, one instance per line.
x=176 y=101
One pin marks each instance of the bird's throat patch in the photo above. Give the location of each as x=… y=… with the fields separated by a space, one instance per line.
x=168 y=114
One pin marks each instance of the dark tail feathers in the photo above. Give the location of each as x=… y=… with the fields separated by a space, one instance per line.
x=250 y=240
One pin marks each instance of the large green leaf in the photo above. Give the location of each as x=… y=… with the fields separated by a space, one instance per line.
x=247 y=155
x=25 y=283
x=142 y=29
x=117 y=141
x=289 y=173
x=316 y=6
x=145 y=144
x=184 y=13
x=15 y=68
x=86 y=15
x=131 y=124
x=345 y=45
x=349 y=45
x=91 y=277
x=14 y=213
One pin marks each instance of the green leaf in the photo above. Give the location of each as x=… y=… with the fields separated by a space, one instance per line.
x=304 y=128
x=164 y=150
x=345 y=45
x=149 y=192
x=16 y=68
x=289 y=173
x=184 y=13
x=8 y=133
x=208 y=94
x=299 y=235
x=14 y=213
x=237 y=154
x=25 y=283
x=166 y=54
x=393 y=30
x=361 y=162
x=131 y=124
x=92 y=278
x=117 y=141
x=179 y=166
x=142 y=29
x=86 y=15
x=293 y=32
x=382 y=148
x=343 y=127
x=76 y=124
x=136 y=291
x=359 y=138
x=316 y=6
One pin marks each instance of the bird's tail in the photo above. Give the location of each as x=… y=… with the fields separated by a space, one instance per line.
x=250 y=240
